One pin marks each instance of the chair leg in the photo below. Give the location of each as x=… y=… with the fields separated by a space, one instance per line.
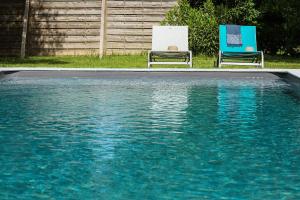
x=262 y=60
x=149 y=59
x=219 y=60
x=191 y=59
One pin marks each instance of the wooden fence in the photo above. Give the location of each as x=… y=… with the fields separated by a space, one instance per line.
x=129 y=24
x=11 y=17
x=82 y=27
x=65 y=27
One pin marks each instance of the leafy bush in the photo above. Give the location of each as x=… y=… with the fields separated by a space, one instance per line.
x=279 y=28
x=203 y=22
x=277 y=21
x=243 y=13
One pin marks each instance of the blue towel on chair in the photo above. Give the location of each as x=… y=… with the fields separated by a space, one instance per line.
x=234 y=36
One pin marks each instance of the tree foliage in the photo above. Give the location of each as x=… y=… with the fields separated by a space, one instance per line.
x=279 y=28
x=277 y=21
x=203 y=21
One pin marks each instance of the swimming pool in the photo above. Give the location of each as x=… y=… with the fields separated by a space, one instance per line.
x=141 y=136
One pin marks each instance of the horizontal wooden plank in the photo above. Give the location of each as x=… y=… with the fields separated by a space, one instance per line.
x=11 y=32
x=65 y=4
x=60 y=52
x=10 y=40
x=66 y=11
x=12 y=5
x=131 y=25
x=70 y=18
x=64 y=32
x=11 y=1
x=70 y=39
x=137 y=11
x=134 y=18
x=118 y=45
x=10 y=52
x=118 y=38
x=142 y=4
x=65 y=25
x=11 y=11
x=146 y=32
x=10 y=45
x=125 y=51
x=11 y=18
x=9 y=25
x=63 y=45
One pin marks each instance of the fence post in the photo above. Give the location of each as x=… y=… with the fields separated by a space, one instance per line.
x=25 y=28
x=102 y=29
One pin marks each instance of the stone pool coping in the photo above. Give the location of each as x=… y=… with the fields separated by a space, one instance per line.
x=293 y=72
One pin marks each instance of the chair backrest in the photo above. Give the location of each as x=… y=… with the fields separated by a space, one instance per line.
x=248 y=34
x=164 y=37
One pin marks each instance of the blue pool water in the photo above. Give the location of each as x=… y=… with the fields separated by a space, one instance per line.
x=144 y=138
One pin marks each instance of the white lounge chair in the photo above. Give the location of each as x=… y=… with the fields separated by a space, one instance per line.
x=170 y=42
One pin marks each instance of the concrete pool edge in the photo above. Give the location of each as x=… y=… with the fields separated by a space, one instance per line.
x=293 y=72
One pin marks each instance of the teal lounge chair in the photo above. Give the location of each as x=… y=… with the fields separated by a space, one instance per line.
x=238 y=46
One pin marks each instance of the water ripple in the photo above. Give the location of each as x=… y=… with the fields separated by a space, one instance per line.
x=149 y=139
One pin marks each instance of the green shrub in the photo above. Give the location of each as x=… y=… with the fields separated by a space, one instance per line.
x=203 y=25
x=243 y=13
x=279 y=28
x=204 y=21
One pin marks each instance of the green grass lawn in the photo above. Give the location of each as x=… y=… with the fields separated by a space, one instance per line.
x=132 y=61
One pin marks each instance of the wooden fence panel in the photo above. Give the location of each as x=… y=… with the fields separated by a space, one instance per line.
x=72 y=27
x=129 y=24
x=64 y=27
x=11 y=18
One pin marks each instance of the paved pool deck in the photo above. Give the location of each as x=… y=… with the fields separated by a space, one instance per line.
x=293 y=72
